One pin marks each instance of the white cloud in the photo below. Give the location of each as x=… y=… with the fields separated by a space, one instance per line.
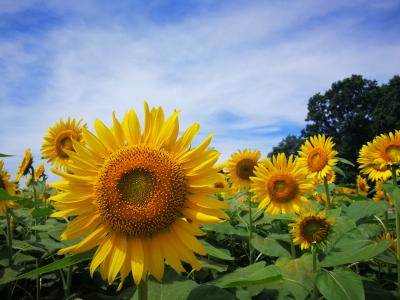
x=261 y=62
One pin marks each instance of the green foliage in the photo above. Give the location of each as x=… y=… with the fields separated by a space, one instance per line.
x=289 y=145
x=340 y=284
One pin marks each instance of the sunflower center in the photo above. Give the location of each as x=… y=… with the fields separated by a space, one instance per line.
x=393 y=152
x=317 y=159
x=245 y=168
x=282 y=187
x=140 y=190
x=64 y=142
x=314 y=229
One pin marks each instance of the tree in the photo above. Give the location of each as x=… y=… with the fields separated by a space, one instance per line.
x=289 y=145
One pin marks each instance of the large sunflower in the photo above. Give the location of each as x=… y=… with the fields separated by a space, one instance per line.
x=139 y=196
x=311 y=228
x=9 y=187
x=25 y=165
x=376 y=157
x=59 y=140
x=281 y=185
x=317 y=155
x=241 y=167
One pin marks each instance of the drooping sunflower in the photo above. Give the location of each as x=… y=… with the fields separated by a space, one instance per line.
x=9 y=187
x=317 y=155
x=241 y=167
x=39 y=171
x=362 y=185
x=139 y=196
x=376 y=157
x=311 y=227
x=59 y=140
x=25 y=165
x=281 y=184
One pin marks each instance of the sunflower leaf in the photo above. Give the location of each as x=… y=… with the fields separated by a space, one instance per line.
x=345 y=161
x=220 y=253
x=394 y=192
x=4 y=196
x=338 y=170
x=5 y=155
x=339 y=284
x=362 y=209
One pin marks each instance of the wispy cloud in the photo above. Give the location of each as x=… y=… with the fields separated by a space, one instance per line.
x=243 y=70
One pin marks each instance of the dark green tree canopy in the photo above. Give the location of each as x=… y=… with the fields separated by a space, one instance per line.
x=289 y=145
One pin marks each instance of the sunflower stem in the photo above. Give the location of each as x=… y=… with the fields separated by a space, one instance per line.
x=328 y=195
x=315 y=269
x=292 y=249
x=69 y=282
x=142 y=290
x=394 y=179
x=9 y=237
x=250 y=229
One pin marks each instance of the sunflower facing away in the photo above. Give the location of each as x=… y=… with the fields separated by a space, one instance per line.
x=281 y=184
x=39 y=171
x=241 y=167
x=59 y=140
x=25 y=165
x=317 y=155
x=9 y=187
x=362 y=185
x=311 y=228
x=139 y=196
x=375 y=157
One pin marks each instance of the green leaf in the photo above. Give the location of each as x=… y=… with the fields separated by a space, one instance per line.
x=297 y=275
x=41 y=212
x=209 y=292
x=211 y=265
x=251 y=275
x=6 y=196
x=394 y=192
x=338 y=285
x=8 y=275
x=225 y=228
x=42 y=227
x=5 y=155
x=220 y=253
x=269 y=246
x=57 y=265
x=362 y=209
x=345 y=161
x=352 y=250
x=338 y=171
x=281 y=217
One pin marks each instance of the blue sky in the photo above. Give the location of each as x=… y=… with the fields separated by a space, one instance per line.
x=242 y=69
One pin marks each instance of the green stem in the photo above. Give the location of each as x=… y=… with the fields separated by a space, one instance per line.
x=394 y=179
x=69 y=282
x=292 y=249
x=143 y=291
x=9 y=237
x=250 y=230
x=37 y=281
x=315 y=269
x=328 y=196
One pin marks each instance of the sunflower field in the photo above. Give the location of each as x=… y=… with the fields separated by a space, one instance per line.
x=141 y=212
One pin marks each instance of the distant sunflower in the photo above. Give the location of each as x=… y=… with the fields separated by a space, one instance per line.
x=25 y=165
x=311 y=227
x=9 y=187
x=362 y=185
x=380 y=194
x=331 y=177
x=280 y=185
x=59 y=140
x=39 y=171
x=241 y=167
x=317 y=155
x=139 y=196
x=388 y=237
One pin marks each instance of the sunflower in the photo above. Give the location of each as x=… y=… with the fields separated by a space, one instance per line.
x=331 y=177
x=139 y=196
x=388 y=237
x=9 y=187
x=241 y=167
x=25 y=165
x=362 y=185
x=59 y=140
x=281 y=184
x=311 y=228
x=317 y=155
x=380 y=194
x=39 y=171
